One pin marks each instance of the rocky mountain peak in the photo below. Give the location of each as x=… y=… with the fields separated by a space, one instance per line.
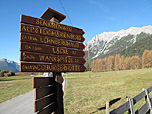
x=104 y=43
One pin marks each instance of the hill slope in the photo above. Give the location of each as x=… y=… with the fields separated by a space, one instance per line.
x=138 y=48
x=9 y=65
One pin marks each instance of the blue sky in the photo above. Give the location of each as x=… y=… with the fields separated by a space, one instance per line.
x=93 y=16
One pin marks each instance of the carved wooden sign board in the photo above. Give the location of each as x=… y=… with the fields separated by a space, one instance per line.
x=50 y=47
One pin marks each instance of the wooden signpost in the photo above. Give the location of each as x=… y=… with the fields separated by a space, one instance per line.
x=51 y=33
x=38 y=48
x=39 y=67
x=49 y=24
x=32 y=38
x=47 y=46
x=50 y=58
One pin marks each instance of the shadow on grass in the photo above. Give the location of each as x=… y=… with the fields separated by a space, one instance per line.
x=7 y=79
x=110 y=103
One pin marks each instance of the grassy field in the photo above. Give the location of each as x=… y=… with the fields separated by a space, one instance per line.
x=84 y=95
x=13 y=86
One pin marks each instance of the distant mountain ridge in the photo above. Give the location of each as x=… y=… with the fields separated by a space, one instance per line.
x=109 y=43
x=8 y=65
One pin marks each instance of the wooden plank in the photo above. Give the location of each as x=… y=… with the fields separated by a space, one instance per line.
x=44 y=91
x=138 y=97
x=121 y=109
x=38 y=82
x=141 y=95
x=47 y=110
x=48 y=24
x=38 y=67
x=40 y=104
x=51 y=32
x=149 y=89
x=143 y=109
x=48 y=58
x=39 y=48
x=24 y=37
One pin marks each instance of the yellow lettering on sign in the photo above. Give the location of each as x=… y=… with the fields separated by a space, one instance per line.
x=60 y=51
x=27 y=47
x=74 y=53
x=23 y=28
x=27 y=37
x=49 y=32
x=36 y=48
x=41 y=57
x=53 y=25
x=76 y=60
x=37 y=21
x=70 y=60
x=28 y=57
x=52 y=67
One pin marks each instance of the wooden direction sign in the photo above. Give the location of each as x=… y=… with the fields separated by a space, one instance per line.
x=38 y=67
x=51 y=32
x=44 y=41
x=50 y=41
x=49 y=24
x=48 y=58
x=31 y=47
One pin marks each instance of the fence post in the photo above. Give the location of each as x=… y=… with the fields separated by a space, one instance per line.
x=132 y=110
x=107 y=107
x=148 y=100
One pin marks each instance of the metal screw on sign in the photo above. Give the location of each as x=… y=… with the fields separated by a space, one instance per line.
x=148 y=100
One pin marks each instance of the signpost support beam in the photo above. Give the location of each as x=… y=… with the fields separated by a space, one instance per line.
x=59 y=93
x=57 y=75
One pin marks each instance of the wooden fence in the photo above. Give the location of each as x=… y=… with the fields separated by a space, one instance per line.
x=128 y=106
x=45 y=96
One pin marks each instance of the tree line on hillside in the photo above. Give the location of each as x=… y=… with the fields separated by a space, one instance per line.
x=4 y=73
x=118 y=62
x=138 y=48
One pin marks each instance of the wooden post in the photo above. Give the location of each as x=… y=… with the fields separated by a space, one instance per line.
x=49 y=14
x=147 y=98
x=59 y=92
x=107 y=107
x=131 y=110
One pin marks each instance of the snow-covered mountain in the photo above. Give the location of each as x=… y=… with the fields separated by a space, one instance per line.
x=8 y=65
x=107 y=43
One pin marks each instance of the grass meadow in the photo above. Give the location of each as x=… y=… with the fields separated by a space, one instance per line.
x=13 y=86
x=84 y=95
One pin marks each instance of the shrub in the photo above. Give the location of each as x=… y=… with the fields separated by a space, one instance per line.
x=1 y=74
